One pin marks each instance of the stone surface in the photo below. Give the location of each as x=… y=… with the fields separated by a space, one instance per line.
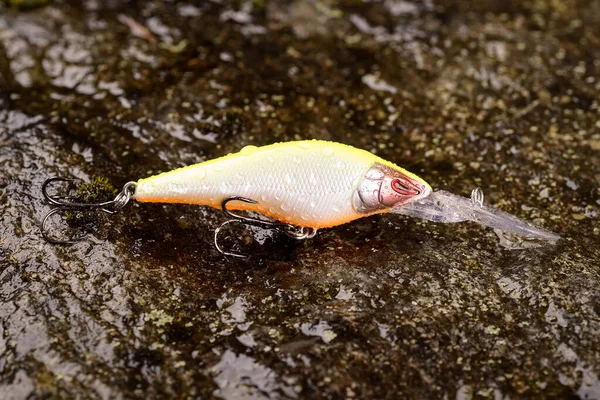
x=498 y=94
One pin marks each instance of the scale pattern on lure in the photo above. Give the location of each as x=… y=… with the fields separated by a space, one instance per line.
x=305 y=186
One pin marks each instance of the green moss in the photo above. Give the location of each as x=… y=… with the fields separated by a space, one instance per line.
x=18 y=228
x=25 y=4
x=259 y=5
x=98 y=190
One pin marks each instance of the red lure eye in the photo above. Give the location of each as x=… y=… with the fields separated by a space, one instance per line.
x=403 y=188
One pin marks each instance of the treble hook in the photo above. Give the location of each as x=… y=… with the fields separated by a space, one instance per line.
x=66 y=204
x=293 y=231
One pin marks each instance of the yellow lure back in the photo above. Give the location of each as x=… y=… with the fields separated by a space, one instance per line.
x=310 y=183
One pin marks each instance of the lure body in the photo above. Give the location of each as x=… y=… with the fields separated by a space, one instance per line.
x=316 y=184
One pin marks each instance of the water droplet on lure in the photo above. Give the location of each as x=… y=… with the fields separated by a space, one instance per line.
x=327 y=151
x=340 y=165
x=248 y=150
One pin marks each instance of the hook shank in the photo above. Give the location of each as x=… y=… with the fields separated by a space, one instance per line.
x=293 y=231
x=66 y=203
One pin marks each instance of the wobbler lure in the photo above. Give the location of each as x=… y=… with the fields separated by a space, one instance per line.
x=302 y=187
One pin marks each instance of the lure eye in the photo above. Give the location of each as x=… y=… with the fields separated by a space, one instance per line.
x=403 y=188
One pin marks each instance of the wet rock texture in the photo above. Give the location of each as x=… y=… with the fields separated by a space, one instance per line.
x=503 y=95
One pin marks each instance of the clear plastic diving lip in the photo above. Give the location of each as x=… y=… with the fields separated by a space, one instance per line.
x=445 y=207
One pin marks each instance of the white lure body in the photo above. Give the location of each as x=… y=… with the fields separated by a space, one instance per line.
x=306 y=183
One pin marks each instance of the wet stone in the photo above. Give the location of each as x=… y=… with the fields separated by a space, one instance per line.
x=498 y=95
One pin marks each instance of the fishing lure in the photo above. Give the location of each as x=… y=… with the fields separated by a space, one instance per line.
x=301 y=187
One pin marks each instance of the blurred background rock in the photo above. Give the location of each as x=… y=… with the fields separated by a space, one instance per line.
x=497 y=94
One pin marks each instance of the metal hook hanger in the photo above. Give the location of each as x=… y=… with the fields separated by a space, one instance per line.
x=66 y=203
x=293 y=231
